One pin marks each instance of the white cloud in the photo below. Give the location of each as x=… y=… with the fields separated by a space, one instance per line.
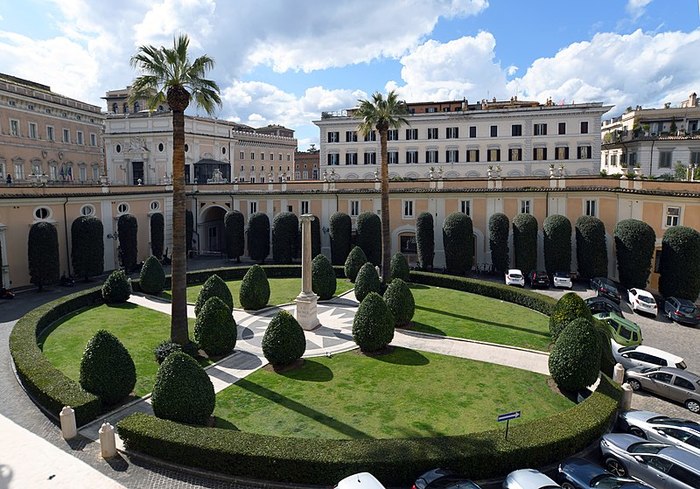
x=636 y=8
x=171 y=17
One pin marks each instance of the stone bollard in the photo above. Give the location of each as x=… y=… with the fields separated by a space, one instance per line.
x=69 y=429
x=619 y=373
x=108 y=446
x=626 y=402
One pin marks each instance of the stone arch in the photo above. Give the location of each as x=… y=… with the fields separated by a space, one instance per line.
x=405 y=230
x=368 y=176
x=452 y=174
x=539 y=173
x=210 y=229
x=473 y=174
x=412 y=174
x=352 y=176
x=584 y=171
x=515 y=173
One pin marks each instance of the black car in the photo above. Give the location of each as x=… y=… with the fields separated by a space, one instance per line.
x=682 y=311
x=603 y=304
x=578 y=473
x=443 y=479
x=538 y=279
x=606 y=288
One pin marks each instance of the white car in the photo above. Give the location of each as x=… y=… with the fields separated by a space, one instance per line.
x=515 y=277
x=645 y=356
x=562 y=280
x=528 y=479
x=641 y=300
x=657 y=427
x=362 y=480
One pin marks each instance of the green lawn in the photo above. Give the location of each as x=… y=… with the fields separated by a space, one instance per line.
x=463 y=315
x=403 y=394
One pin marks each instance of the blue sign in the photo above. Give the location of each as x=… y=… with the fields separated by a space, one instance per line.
x=507 y=416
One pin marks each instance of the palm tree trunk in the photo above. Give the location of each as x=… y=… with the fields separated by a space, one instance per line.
x=386 y=228
x=178 y=326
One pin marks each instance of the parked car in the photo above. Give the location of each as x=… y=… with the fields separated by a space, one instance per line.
x=669 y=382
x=443 y=479
x=624 y=331
x=645 y=356
x=642 y=301
x=515 y=277
x=562 y=280
x=529 y=479
x=657 y=427
x=579 y=473
x=660 y=465
x=682 y=311
x=362 y=480
x=603 y=304
x=605 y=287
x=538 y=279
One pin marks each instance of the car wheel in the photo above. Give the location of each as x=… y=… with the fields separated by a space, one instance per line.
x=693 y=406
x=615 y=467
x=567 y=485
x=634 y=384
x=636 y=431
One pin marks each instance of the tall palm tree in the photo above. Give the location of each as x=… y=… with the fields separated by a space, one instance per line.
x=382 y=114
x=169 y=75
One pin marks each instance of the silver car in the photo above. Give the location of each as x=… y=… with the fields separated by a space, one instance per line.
x=529 y=479
x=657 y=427
x=645 y=356
x=660 y=465
x=669 y=382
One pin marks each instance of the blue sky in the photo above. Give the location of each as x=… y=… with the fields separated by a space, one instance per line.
x=283 y=61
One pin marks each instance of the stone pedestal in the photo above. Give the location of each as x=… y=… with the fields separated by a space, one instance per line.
x=306 y=300
x=306 y=311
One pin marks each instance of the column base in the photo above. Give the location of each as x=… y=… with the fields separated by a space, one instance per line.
x=306 y=313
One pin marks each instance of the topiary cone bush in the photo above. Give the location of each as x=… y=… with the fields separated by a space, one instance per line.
x=399 y=299
x=373 y=326
x=568 y=308
x=127 y=229
x=556 y=231
x=117 y=288
x=255 y=289
x=157 y=234
x=42 y=250
x=369 y=236
x=87 y=247
x=425 y=240
x=183 y=391
x=575 y=360
x=258 y=232
x=354 y=262
x=214 y=286
x=367 y=281
x=283 y=342
x=152 y=276
x=285 y=231
x=499 y=227
x=680 y=263
x=399 y=267
x=234 y=233
x=635 y=241
x=340 y=232
x=591 y=247
x=458 y=239
x=323 y=281
x=215 y=328
x=106 y=369
x=525 y=242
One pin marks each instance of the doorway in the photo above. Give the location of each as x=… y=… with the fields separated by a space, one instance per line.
x=137 y=172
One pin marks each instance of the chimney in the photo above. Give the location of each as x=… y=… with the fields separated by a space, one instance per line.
x=693 y=100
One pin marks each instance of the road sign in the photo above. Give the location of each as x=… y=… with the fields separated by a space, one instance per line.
x=507 y=416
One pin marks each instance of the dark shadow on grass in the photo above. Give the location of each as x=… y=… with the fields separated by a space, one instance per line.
x=404 y=356
x=224 y=424
x=312 y=371
x=123 y=305
x=299 y=408
x=418 y=286
x=483 y=321
x=426 y=328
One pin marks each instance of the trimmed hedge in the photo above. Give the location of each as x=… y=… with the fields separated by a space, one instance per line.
x=499 y=227
x=213 y=287
x=367 y=281
x=354 y=262
x=458 y=240
x=568 y=308
x=157 y=234
x=323 y=281
x=394 y=461
x=215 y=329
x=591 y=247
x=116 y=289
x=373 y=325
x=152 y=276
x=255 y=289
x=42 y=249
x=234 y=232
x=315 y=237
x=107 y=369
x=258 y=237
x=575 y=359
x=340 y=232
x=525 y=242
x=425 y=240
x=399 y=299
x=128 y=229
x=369 y=236
x=285 y=234
x=87 y=247
x=283 y=342
x=634 y=244
x=556 y=230
x=680 y=263
x=399 y=267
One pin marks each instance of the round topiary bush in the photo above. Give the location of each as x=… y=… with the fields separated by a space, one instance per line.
x=568 y=308
x=373 y=326
x=183 y=391
x=680 y=263
x=575 y=360
x=635 y=241
x=214 y=286
x=255 y=289
x=458 y=239
x=106 y=369
x=425 y=240
x=499 y=227
x=340 y=232
x=399 y=299
x=323 y=281
x=591 y=247
x=367 y=281
x=354 y=262
x=399 y=267
x=369 y=236
x=117 y=288
x=165 y=348
x=283 y=342
x=556 y=230
x=152 y=276
x=215 y=328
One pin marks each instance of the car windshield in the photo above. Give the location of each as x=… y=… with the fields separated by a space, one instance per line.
x=646 y=447
x=648 y=300
x=561 y=275
x=607 y=481
x=515 y=275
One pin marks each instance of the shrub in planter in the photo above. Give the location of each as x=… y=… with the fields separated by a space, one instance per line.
x=157 y=234
x=285 y=231
x=106 y=369
x=117 y=288
x=234 y=231
x=399 y=267
x=568 y=308
x=255 y=289
x=127 y=229
x=399 y=299
x=525 y=242
x=283 y=342
x=354 y=262
x=575 y=360
x=258 y=237
x=165 y=348
x=634 y=245
x=458 y=239
x=556 y=230
x=499 y=227
x=369 y=236
x=213 y=287
x=340 y=232
x=591 y=247
x=323 y=281
x=215 y=328
x=42 y=249
x=152 y=276
x=680 y=263
x=425 y=240
x=367 y=281
x=373 y=326
x=87 y=247
x=183 y=391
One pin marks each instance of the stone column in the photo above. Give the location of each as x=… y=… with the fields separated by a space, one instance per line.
x=306 y=300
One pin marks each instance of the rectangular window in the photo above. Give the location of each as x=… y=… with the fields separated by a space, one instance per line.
x=407 y=209
x=411 y=156
x=32 y=130
x=79 y=135
x=93 y=139
x=19 y=171
x=472 y=131
x=452 y=156
x=632 y=159
x=252 y=155
x=350 y=136
x=494 y=131
x=493 y=155
x=370 y=158
x=279 y=157
x=333 y=137
x=452 y=133
x=584 y=152
x=272 y=157
x=465 y=207
x=540 y=129
x=392 y=135
x=516 y=130
x=524 y=206
x=252 y=205
x=66 y=136
x=354 y=208
x=562 y=128
x=305 y=174
x=432 y=133
x=304 y=207
x=431 y=156
x=673 y=216
x=591 y=208
x=95 y=173
x=584 y=127
x=665 y=159
x=14 y=127
x=472 y=155
x=372 y=136
x=50 y=134
x=82 y=173
x=333 y=159
x=539 y=154
x=393 y=157
x=515 y=154
x=411 y=134
x=262 y=156
x=562 y=153
x=351 y=158
x=694 y=157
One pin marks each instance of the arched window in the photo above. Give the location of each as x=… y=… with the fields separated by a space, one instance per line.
x=115 y=107
x=126 y=108
x=137 y=107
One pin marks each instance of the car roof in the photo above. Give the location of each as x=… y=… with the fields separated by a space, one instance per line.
x=681 y=373
x=682 y=302
x=652 y=351
x=643 y=292
x=562 y=274
x=514 y=270
x=530 y=478
x=685 y=457
x=617 y=317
